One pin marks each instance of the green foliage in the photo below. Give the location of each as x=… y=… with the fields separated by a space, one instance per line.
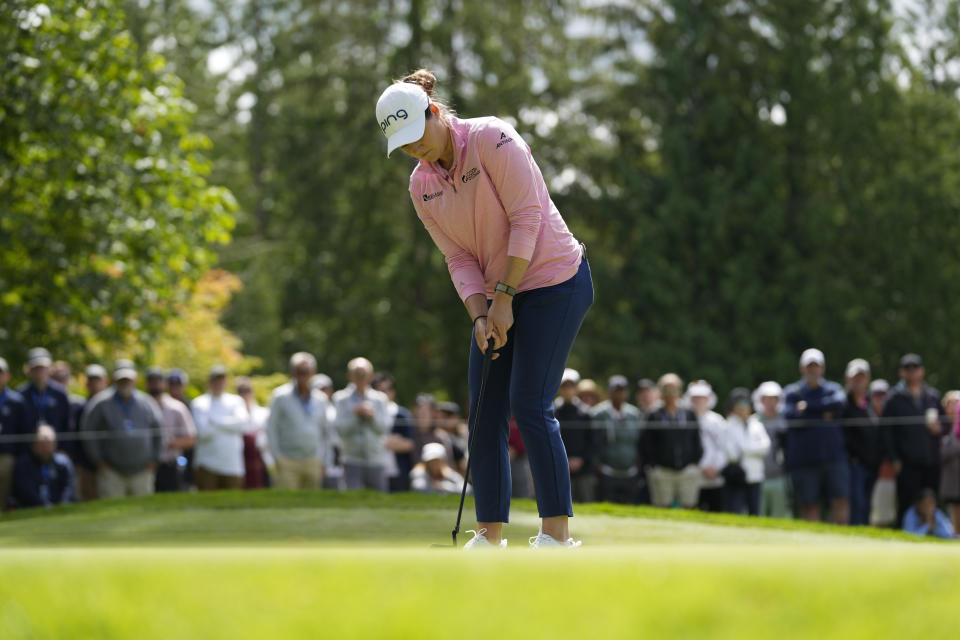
x=194 y=340
x=106 y=214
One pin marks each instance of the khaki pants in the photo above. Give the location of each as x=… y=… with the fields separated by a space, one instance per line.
x=6 y=478
x=209 y=481
x=667 y=485
x=111 y=484
x=298 y=473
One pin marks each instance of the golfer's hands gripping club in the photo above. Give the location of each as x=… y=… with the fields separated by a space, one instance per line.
x=495 y=326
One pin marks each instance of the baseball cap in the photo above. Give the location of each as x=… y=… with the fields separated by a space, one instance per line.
x=858 y=365
x=218 y=371
x=879 y=386
x=769 y=389
x=617 y=382
x=4 y=366
x=699 y=389
x=124 y=370
x=449 y=407
x=321 y=381
x=911 y=360
x=702 y=389
x=95 y=371
x=154 y=373
x=433 y=451
x=811 y=356
x=177 y=375
x=400 y=112
x=38 y=357
x=738 y=396
x=587 y=386
x=570 y=375
x=646 y=383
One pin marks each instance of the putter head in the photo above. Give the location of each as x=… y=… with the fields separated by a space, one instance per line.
x=446 y=546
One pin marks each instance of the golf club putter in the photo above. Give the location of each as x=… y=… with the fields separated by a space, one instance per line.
x=474 y=418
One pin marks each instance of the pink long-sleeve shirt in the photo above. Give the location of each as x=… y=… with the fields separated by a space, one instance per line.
x=491 y=204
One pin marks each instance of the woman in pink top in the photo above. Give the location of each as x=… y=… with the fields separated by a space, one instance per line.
x=523 y=278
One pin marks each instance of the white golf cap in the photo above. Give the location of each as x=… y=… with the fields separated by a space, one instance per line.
x=769 y=389
x=811 y=356
x=858 y=365
x=433 y=451
x=38 y=357
x=699 y=389
x=570 y=375
x=879 y=386
x=400 y=112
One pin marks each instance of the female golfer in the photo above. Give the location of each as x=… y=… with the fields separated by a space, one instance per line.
x=523 y=277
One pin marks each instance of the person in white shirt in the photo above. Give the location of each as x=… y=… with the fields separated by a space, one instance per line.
x=298 y=431
x=701 y=398
x=747 y=444
x=363 y=424
x=221 y=420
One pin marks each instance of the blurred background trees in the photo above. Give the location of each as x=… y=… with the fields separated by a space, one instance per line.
x=751 y=177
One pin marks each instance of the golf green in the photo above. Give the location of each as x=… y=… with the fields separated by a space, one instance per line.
x=326 y=565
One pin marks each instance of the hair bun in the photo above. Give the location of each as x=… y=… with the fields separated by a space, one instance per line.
x=424 y=79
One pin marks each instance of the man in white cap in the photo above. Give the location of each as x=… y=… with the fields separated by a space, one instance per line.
x=816 y=456
x=861 y=439
x=433 y=474
x=575 y=429
x=713 y=438
x=13 y=428
x=768 y=405
x=124 y=428
x=46 y=401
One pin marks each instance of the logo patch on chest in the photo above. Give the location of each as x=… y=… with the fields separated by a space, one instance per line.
x=427 y=197
x=469 y=175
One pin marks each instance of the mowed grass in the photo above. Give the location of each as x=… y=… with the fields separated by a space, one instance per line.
x=324 y=565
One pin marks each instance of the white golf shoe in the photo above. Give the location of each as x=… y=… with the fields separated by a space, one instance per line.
x=479 y=541
x=544 y=541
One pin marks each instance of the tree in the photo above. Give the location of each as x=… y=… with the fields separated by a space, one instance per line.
x=194 y=339
x=105 y=209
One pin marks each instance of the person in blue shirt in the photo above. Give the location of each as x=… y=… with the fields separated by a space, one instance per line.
x=12 y=429
x=815 y=453
x=924 y=519
x=42 y=477
x=46 y=401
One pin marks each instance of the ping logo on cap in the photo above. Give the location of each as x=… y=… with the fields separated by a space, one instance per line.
x=401 y=114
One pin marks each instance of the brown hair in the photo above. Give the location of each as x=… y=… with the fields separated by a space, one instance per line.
x=428 y=82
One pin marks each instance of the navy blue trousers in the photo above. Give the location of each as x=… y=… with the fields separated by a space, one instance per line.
x=523 y=382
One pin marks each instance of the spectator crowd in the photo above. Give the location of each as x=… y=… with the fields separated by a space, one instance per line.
x=859 y=452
